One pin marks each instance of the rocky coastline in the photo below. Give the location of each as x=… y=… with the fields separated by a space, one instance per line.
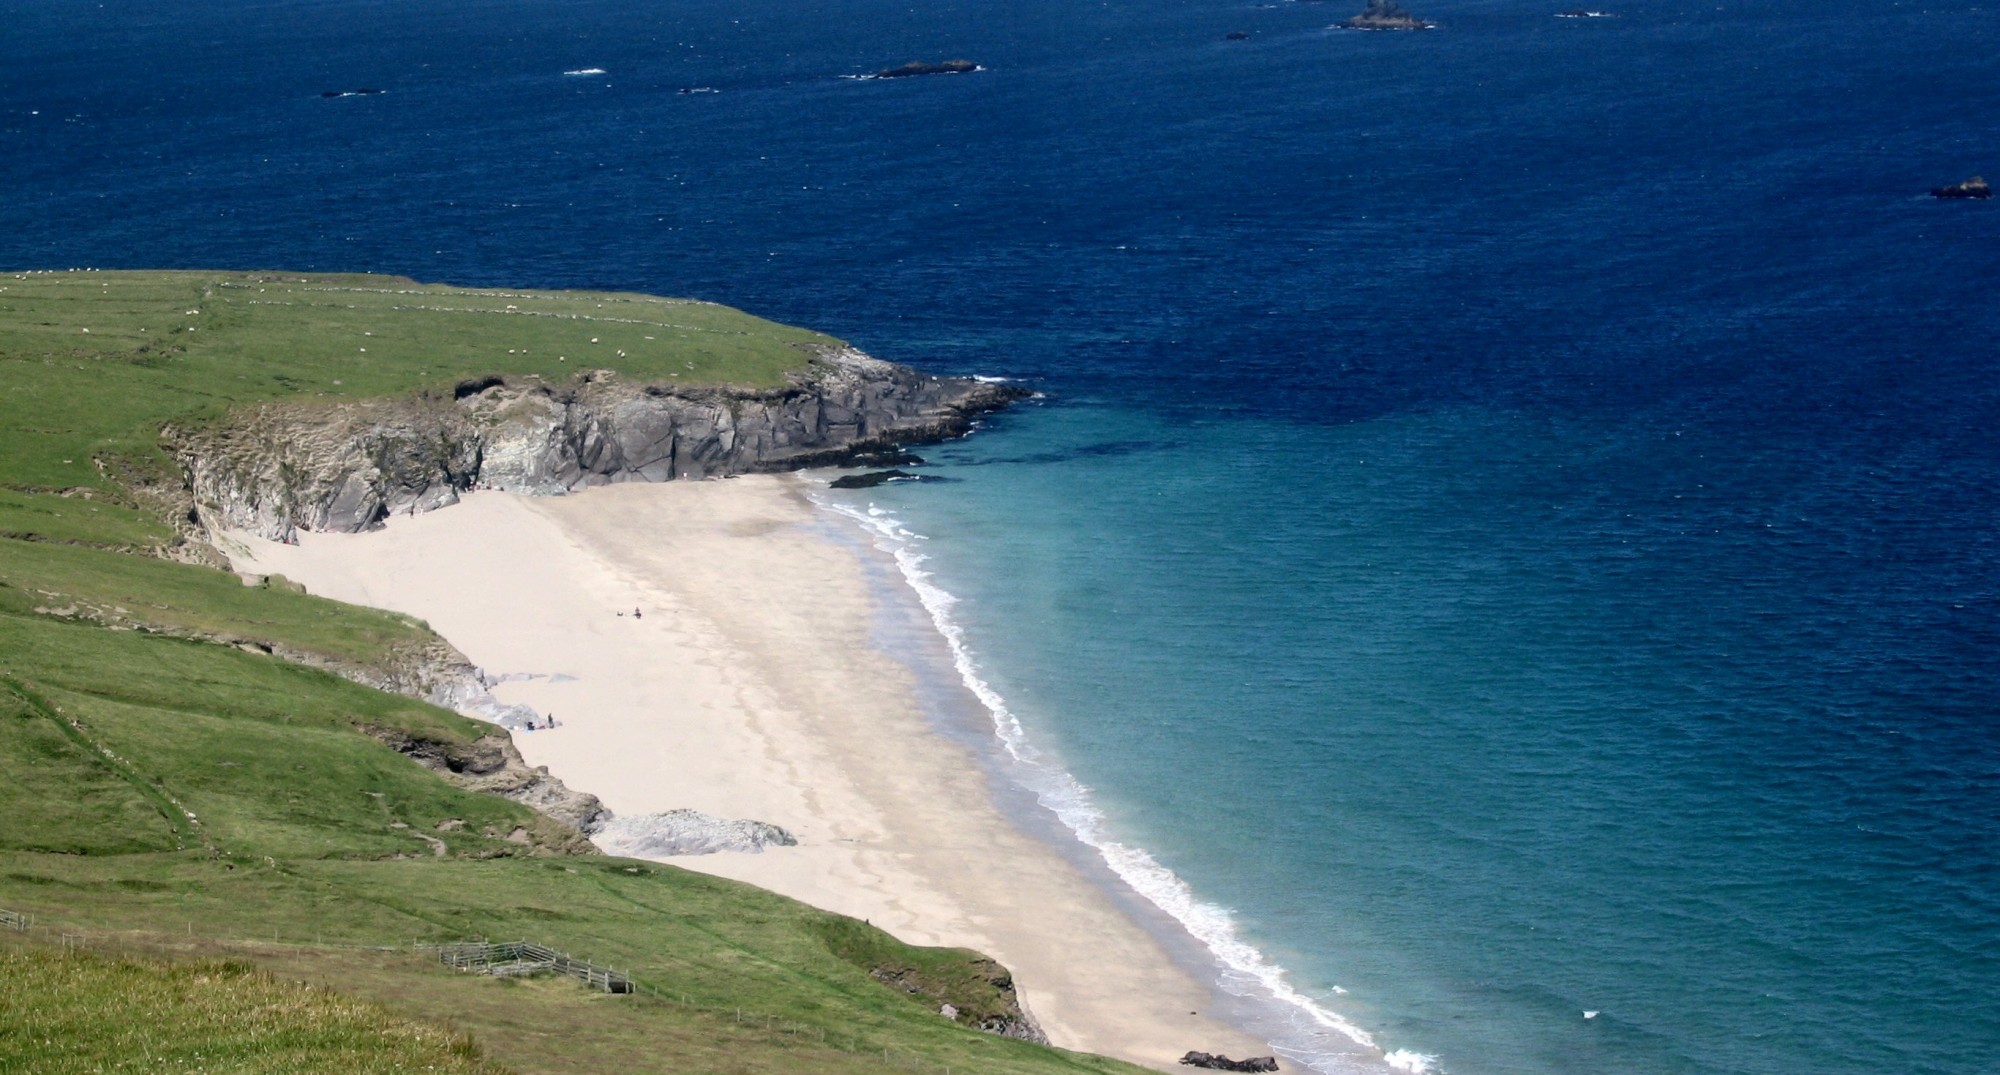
x=286 y=466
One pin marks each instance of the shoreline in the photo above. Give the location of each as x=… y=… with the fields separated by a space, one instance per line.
x=1042 y=797
x=755 y=685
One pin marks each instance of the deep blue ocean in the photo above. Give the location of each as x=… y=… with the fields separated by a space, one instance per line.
x=1511 y=519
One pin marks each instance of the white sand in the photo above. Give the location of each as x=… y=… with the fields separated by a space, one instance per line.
x=750 y=689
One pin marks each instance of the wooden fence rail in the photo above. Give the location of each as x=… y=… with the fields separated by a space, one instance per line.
x=522 y=958
x=16 y=921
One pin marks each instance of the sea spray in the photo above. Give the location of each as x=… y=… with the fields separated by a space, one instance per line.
x=1317 y=1036
x=1406 y=1060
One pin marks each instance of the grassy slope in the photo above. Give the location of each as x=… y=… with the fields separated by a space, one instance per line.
x=307 y=836
x=54 y=1008
x=93 y=363
x=193 y=799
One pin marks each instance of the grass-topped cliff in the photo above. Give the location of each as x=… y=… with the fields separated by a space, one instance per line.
x=330 y=401
x=95 y=363
x=197 y=795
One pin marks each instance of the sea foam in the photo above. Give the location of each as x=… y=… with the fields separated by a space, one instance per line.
x=1246 y=971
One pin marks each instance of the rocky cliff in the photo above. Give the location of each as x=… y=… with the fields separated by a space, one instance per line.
x=491 y=764
x=345 y=466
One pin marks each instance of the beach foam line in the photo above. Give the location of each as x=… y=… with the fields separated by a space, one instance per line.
x=1247 y=971
x=1407 y=1060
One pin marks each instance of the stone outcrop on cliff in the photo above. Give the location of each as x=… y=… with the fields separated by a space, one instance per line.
x=1002 y=1013
x=491 y=764
x=430 y=669
x=345 y=466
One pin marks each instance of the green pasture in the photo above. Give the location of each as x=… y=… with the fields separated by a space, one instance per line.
x=72 y=1013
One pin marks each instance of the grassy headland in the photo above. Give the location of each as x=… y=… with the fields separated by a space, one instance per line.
x=94 y=363
x=175 y=794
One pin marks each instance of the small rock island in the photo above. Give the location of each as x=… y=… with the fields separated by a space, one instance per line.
x=1972 y=188
x=874 y=478
x=919 y=67
x=1386 y=15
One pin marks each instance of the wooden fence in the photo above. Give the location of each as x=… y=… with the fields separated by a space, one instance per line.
x=512 y=958
x=16 y=921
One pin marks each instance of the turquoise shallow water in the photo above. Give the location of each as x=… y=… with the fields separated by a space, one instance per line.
x=1477 y=721
x=1512 y=526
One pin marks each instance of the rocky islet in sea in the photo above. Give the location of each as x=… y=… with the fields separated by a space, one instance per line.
x=921 y=67
x=883 y=477
x=1386 y=15
x=1975 y=187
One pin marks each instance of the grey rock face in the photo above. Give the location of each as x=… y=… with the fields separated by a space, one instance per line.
x=346 y=466
x=491 y=764
x=686 y=832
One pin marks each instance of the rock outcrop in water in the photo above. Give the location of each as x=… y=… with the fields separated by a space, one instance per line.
x=883 y=477
x=920 y=67
x=1972 y=188
x=346 y=466
x=1386 y=15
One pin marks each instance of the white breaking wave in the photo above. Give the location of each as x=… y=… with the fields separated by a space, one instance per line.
x=1413 y=1062
x=585 y=71
x=1246 y=968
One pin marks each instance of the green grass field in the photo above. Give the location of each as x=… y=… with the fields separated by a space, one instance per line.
x=93 y=363
x=198 y=826
x=63 y=1013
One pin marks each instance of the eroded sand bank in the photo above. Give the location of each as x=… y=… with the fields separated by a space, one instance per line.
x=749 y=688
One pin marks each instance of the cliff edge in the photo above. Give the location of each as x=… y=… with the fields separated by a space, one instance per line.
x=276 y=467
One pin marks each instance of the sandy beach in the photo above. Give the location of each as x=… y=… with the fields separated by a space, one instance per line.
x=749 y=688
